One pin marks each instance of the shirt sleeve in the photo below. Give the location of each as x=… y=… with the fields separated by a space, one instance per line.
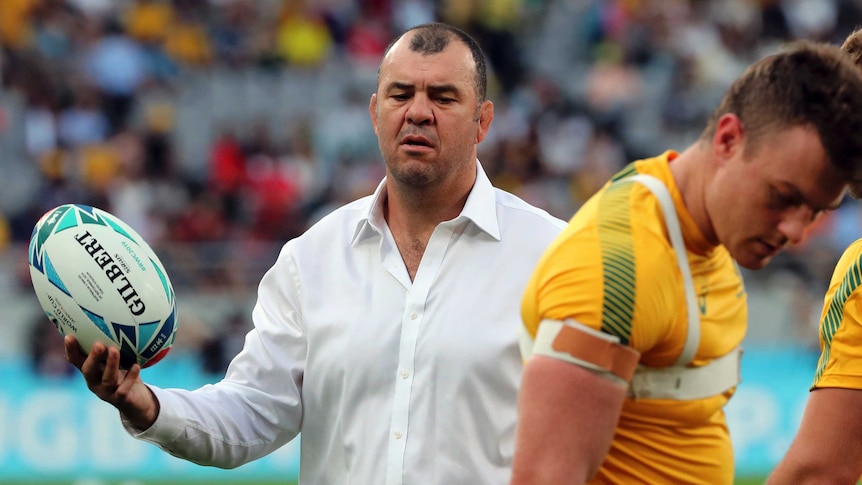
x=257 y=407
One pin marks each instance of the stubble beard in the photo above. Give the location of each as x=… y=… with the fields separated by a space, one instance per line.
x=412 y=174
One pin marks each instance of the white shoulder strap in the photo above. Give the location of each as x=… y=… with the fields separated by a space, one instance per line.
x=657 y=187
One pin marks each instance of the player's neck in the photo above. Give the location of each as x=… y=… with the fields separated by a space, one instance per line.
x=691 y=170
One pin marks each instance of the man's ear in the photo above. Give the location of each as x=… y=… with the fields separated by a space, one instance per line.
x=729 y=138
x=486 y=116
x=372 y=111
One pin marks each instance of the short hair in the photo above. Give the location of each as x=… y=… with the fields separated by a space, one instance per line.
x=433 y=38
x=853 y=46
x=808 y=84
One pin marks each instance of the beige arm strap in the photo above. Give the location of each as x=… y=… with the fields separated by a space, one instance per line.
x=579 y=344
x=687 y=383
x=680 y=381
x=657 y=187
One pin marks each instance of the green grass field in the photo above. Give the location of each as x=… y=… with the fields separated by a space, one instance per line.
x=750 y=481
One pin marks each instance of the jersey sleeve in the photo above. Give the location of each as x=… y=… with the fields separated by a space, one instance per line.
x=617 y=274
x=840 y=363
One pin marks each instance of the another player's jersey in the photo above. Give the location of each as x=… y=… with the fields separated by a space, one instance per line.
x=840 y=362
x=614 y=269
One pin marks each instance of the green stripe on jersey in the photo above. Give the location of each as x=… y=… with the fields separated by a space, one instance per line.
x=835 y=313
x=627 y=171
x=618 y=261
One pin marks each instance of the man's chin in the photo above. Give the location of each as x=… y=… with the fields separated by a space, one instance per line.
x=753 y=262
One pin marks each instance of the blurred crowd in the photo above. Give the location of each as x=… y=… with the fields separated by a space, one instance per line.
x=219 y=129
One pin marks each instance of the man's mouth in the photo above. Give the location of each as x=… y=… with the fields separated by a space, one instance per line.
x=416 y=141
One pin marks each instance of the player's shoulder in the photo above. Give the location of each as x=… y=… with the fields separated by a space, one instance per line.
x=849 y=265
x=624 y=223
x=623 y=209
x=854 y=249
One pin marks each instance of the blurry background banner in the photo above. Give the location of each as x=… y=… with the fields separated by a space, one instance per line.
x=53 y=428
x=220 y=129
x=765 y=412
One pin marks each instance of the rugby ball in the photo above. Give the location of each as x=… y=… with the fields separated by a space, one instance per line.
x=97 y=279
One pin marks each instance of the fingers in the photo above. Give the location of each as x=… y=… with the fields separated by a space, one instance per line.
x=94 y=364
x=127 y=384
x=74 y=354
x=111 y=370
x=100 y=368
x=123 y=389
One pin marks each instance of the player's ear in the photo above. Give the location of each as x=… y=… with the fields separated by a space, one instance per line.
x=729 y=138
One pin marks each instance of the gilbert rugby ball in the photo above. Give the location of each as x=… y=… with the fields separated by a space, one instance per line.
x=98 y=280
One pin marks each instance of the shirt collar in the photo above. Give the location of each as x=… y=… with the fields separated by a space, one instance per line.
x=480 y=209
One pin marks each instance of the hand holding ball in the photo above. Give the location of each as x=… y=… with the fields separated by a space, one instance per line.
x=98 y=280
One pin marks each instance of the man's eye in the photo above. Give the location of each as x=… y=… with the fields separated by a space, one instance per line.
x=779 y=200
x=444 y=100
x=400 y=97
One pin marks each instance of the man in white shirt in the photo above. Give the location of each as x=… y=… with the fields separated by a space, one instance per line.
x=387 y=333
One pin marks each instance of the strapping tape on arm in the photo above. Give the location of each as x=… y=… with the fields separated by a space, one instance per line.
x=579 y=344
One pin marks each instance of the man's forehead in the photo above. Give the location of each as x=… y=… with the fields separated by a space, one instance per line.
x=404 y=60
x=403 y=47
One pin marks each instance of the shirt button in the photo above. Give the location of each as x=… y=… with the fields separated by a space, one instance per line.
x=397 y=435
x=414 y=316
x=405 y=374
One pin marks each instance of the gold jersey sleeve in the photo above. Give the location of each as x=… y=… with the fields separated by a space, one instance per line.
x=613 y=269
x=840 y=363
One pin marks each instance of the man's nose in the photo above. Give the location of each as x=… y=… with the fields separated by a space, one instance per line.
x=420 y=110
x=795 y=222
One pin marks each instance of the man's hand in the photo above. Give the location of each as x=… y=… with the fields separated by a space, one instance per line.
x=123 y=389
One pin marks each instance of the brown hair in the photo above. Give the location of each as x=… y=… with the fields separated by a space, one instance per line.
x=434 y=37
x=853 y=46
x=809 y=84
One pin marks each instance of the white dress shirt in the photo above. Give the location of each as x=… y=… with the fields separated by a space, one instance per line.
x=389 y=381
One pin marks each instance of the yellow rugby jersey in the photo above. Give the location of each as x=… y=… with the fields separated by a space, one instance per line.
x=614 y=269
x=840 y=362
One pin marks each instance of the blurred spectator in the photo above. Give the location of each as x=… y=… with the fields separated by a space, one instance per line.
x=272 y=188
x=53 y=23
x=233 y=31
x=158 y=151
x=5 y=233
x=47 y=354
x=149 y=21
x=99 y=165
x=367 y=38
x=227 y=173
x=15 y=26
x=302 y=37
x=117 y=66
x=218 y=350
x=612 y=85
x=188 y=42
x=40 y=127
x=220 y=129
x=773 y=22
x=83 y=122
x=410 y=13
